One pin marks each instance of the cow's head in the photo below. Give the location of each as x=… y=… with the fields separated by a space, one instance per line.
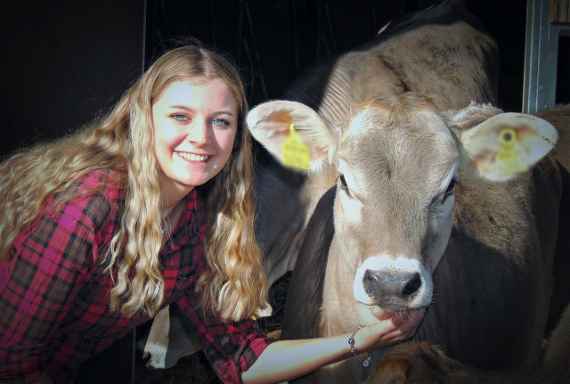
x=397 y=163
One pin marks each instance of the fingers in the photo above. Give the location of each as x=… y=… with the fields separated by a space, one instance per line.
x=390 y=329
x=395 y=336
x=401 y=333
x=406 y=324
x=383 y=333
x=375 y=335
x=381 y=328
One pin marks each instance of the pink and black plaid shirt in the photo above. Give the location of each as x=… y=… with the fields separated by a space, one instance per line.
x=54 y=295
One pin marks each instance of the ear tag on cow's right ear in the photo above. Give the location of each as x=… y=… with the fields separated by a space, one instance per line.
x=296 y=154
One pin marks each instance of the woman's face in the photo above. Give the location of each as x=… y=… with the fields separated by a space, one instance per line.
x=195 y=126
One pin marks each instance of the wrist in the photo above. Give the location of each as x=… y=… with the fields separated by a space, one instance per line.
x=350 y=340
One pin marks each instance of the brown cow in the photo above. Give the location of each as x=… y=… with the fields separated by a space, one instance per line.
x=440 y=52
x=422 y=363
x=419 y=186
x=413 y=183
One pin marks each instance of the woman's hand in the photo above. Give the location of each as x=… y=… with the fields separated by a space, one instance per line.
x=390 y=329
x=287 y=359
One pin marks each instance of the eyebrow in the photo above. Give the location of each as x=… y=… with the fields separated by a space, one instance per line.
x=220 y=112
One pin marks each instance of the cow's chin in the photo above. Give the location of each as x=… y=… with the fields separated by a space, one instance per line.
x=406 y=320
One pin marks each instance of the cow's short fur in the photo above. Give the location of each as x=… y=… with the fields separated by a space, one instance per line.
x=493 y=284
x=492 y=288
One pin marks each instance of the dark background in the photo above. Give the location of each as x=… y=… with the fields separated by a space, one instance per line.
x=67 y=62
x=273 y=41
x=64 y=62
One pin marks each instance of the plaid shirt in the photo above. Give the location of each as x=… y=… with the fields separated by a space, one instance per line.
x=54 y=294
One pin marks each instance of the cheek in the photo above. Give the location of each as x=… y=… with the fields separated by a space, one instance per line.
x=348 y=215
x=352 y=210
x=166 y=135
x=225 y=140
x=167 y=139
x=440 y=229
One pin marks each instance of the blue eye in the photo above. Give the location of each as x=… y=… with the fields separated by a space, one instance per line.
x=219 y=122
x=179 y=117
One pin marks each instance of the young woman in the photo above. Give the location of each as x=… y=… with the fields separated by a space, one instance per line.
x=150 y=206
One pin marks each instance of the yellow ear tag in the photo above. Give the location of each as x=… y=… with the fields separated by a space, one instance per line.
x=296 y=154
x=508 y=154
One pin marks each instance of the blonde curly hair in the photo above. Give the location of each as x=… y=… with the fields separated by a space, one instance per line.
x=234 y=287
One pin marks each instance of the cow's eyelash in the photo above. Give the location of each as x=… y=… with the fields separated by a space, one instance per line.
x=343 y=184
x=450 y=187
x=441 y=198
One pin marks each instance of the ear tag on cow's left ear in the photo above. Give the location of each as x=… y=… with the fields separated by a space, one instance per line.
x=296 y=154
x=508 y=153
x=508 y=144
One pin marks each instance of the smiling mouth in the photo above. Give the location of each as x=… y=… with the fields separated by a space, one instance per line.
x=188 y=156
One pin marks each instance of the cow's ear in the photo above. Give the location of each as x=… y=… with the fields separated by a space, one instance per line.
x=291 y=131
x=508 y=144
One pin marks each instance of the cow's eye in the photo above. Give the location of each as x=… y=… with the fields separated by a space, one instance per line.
x=450 y=189
x=343 y=185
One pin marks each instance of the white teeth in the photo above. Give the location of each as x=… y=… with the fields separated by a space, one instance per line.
x=192 y=156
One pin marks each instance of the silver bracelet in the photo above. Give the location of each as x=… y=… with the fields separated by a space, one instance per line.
x=351 y=342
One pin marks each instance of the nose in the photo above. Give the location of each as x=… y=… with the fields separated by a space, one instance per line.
x=392 y=287
x=198 y=131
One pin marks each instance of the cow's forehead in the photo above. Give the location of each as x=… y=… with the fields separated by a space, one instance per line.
x=401 y=144
x=377 y=114
x=383 y=127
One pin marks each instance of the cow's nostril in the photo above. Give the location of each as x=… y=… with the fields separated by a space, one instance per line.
x=413 y=285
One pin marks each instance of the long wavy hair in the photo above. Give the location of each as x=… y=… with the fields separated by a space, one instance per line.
x=234 y=286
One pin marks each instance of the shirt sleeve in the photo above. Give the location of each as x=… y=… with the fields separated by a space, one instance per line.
x=47 y=263
x=231 y=348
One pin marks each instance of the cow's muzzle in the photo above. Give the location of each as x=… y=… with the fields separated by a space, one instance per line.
x=382 y=285
x=393 y=283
